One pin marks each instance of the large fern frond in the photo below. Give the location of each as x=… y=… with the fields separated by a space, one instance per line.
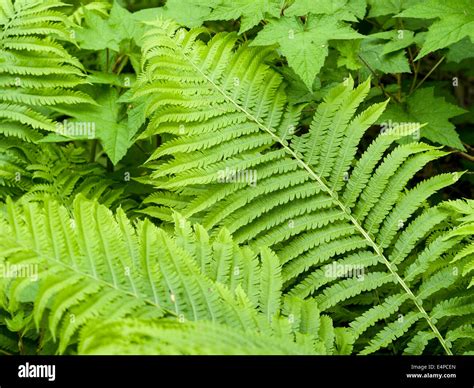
x=234 y=156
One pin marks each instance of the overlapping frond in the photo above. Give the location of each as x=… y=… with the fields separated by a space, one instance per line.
x=191 y=338
x=70 y=270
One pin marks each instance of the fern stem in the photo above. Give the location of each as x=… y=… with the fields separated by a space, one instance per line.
x=415 y=77
x=107 y=60
x=430 y=72
x=399 y=84
x=416 y=68
x=110 y=165
x=335 y=197
x=379 y=82
x=122 y=65
x=93 y=150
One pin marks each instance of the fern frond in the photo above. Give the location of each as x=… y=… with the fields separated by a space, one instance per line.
x=96 y=265
x=190 y=338
x=224 y=119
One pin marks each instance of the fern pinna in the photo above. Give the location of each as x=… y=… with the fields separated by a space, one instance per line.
x=321 y=201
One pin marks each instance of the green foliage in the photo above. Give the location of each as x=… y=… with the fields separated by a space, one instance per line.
x=382 y=52
x=110 y=125
x=97 y=33
x=305 y=45
x=389 y=7
x=236 y=177
x=251 y=12
x=455 y=20
x=418 y=109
